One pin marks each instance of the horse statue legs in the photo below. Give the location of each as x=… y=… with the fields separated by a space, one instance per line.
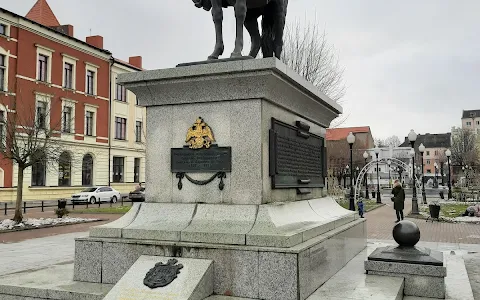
x=217 y=14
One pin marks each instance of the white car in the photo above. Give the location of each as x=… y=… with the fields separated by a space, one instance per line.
x=97 y=194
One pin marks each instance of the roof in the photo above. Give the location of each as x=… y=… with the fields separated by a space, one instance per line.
x=440 y=140
x=335 y=134
x=2 y=10
x=467 y=114
x=43 y=14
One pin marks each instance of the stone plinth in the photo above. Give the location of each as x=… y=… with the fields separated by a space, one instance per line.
x=237 y=99
x=265 y=243
x=422 y=268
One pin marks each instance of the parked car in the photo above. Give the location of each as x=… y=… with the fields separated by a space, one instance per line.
x=97 y=194
x=137 y=195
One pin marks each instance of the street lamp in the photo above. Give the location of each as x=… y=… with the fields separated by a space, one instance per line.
x=412 y=137
x=389 y=178
x=379 y=199
x=351 y=140
x=436 y=171
x=448 y=153
x=421 y=148
x=365 y=156
x=345 y=172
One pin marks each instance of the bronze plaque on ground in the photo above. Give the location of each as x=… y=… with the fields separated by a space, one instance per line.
x=297 y=157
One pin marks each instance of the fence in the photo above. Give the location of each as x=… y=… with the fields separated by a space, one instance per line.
x=43 y=206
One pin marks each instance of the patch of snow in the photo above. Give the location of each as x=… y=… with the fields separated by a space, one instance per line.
x=10 y=224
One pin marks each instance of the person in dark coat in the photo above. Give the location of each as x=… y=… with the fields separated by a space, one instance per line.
x=360 y=208
x=398 y=200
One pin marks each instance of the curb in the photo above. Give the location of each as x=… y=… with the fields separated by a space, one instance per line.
x=49 y=226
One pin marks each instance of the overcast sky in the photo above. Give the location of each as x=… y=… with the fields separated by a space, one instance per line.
x=409 y=64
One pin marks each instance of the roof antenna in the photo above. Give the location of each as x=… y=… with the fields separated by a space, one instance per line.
x=90 y=31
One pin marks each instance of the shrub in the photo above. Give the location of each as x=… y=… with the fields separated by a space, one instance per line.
x=60 y=212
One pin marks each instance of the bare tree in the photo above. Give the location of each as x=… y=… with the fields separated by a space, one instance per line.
x=307 y=51
x=30 y=136
x=393 y=141
x=465 y=149
x=379 y=142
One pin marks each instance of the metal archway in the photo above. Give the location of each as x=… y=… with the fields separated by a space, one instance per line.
x=393 y=161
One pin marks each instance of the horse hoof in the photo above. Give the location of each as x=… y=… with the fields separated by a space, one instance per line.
x=235 y=55
x=212 y=57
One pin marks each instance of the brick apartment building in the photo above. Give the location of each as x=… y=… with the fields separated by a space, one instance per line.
x=47 y=73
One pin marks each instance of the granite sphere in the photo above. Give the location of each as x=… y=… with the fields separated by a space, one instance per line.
x=406 y=233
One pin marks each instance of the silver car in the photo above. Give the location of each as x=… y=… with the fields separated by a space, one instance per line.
x=97 y=194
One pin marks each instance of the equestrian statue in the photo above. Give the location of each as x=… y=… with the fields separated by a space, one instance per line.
x=247 y=12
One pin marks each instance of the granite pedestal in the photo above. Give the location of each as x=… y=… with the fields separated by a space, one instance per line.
x=265 y=242
x=422 y=268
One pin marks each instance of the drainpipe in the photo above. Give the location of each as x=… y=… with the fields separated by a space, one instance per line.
x=112 y=61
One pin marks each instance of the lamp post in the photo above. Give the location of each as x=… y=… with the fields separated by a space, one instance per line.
x=448 y=153
x=351 y=140
x=365 y=156
x=435 y=165
x=345 y=172
x=379 y=199
x=421 y=148
x=412 y=137
x=389 y=178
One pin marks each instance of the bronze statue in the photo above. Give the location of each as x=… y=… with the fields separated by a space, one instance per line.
x=247 y=12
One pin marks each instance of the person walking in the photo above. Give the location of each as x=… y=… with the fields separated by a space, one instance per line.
x=398 y=200
x=360 y=208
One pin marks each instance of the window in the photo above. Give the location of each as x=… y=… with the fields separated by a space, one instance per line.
x=428 y=152
x=478 y=122
x=64 y=169
x=67 y=119
x=87 y=170
x=120 y=128
x=118 y=164
x=3 y=72
x=41 y=114
x=2 y=129
x=90 y=82
x=138 y=131
x=429 y=171
x=121 y=93
x=39 y=172
x=436 y=152
x=469 y=123
x=89 y=115
x=3 y=29
x=428 y=161
x=136 y=170
x=68 y=76
x=42 y=67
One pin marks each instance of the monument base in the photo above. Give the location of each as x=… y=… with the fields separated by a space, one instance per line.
x=304 y=255
x=423 y=269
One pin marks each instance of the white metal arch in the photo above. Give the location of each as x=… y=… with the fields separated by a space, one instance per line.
x=393 y=161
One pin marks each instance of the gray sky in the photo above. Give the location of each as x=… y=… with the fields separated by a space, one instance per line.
x=409 y=64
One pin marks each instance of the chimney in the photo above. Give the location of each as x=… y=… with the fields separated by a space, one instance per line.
x=95 y=40
x=135 y=61
x=65 y=29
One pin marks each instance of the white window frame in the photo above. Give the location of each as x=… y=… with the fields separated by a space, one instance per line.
x=45 y=98
x=42 y=50
x=93 y=68
x=91 y=108
x=73 y=61
x=4 y=111
x=69 y=103
x=7 y=59
x=7 y=30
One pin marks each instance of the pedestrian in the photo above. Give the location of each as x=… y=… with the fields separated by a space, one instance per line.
x=360 y=208
x=138 y=187
x=398 y=200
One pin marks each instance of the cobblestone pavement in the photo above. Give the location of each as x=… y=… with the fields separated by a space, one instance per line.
x=381 y=221
x=37 y=253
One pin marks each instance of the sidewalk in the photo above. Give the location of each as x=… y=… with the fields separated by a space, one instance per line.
x=380 y=223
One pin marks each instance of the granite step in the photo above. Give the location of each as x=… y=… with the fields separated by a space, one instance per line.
x=53 y=282
x=351 y=282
